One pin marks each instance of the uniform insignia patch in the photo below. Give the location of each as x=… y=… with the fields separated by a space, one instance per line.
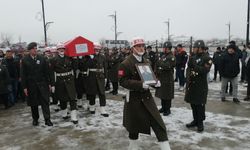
x=121 y=73
x=210 y=61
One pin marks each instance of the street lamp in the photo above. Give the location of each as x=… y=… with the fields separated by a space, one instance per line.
x=229 y=31
x=114 y=17
x=168 y=24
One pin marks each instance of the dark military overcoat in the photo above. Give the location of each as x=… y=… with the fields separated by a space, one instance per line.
x=113 y=64
x=95 y=80
x=165 y=73
x=35 y=77
x=141 y=105
x=197 y=85
x=64 y=84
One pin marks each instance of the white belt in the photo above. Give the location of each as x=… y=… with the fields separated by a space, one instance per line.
x=96 y=70
x=64 y=74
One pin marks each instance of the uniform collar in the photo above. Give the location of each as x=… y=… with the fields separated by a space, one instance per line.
x=138 y=58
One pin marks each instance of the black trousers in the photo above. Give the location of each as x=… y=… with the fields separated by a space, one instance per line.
x=198 y=113
x=160 y=133
x=248 y=87
x=243 y=73
x=216 y=70
x=72 y=103
x=45 y=110
x=166 y=104
x=102 y=99
x=115 y=86
x=4 y=98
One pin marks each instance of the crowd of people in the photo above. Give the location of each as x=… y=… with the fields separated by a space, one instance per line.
x=52 y=78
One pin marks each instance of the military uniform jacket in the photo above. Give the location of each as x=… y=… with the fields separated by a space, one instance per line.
x=63 y=78
x=141 y=104
x=35 y=78
x=96 y=79
x=164 y=72
x=197 y=85
x=4 y=79
x=82 y=74
x=114 y=62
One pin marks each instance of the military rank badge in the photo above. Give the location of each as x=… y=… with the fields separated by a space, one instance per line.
x=38 y=62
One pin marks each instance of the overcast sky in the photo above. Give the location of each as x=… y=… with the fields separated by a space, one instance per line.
x=202 y=19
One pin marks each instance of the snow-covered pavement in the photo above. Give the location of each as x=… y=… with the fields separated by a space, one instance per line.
x=227 y=127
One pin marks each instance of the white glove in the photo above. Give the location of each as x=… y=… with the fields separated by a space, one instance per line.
x=91 y=56
x=158 y=84
x=53 y=89
x=145 y=86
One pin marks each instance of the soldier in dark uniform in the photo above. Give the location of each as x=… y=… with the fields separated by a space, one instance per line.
x=198 y=67
x=36 y=82
x=140 y=111
x=96 y=80
x=164 y=72
x=63 y=83
x=81 y=77
x=114 y=62
x=151 y=55
x=4 y=82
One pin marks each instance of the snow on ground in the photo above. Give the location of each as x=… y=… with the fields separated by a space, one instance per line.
x=96 y=132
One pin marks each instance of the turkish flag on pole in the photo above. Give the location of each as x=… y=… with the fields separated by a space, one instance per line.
x=79 y=46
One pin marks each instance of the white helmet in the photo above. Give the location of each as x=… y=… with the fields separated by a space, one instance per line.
x=60 y=46
x=136 y=41
x=97 y=46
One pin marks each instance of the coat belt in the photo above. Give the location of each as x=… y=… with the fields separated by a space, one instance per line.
x=65 y=74
x=96 y=70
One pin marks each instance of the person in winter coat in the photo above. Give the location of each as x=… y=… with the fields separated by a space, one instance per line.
x=140 y=111
x=165 y=73
x=35 y=78
x=4 y=82
x=216 y=61
x=64 y=83
x=181 y=60
x=230 y=69
x=199 y=65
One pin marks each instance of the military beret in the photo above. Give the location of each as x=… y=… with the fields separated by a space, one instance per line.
x=31 y=45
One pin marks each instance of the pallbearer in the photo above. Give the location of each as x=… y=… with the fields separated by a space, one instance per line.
x=140 y=111
x=64 y=85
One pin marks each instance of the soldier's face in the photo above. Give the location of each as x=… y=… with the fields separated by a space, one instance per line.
x=195 y=50
x=230 y=51
x=139 y=49
x=33 y=51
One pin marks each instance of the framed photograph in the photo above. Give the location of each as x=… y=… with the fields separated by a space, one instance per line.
x=146 y=73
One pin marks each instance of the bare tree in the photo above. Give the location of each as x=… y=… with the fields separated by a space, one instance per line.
x=6 y=39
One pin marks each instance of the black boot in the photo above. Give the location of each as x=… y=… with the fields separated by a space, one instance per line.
x=166 y=113
x=161 y=110
x=247 y=98
x=223 y=99
x=200 y=127
x=35 y=123
x=48 y=122
x=191 y=124
x=236 y=100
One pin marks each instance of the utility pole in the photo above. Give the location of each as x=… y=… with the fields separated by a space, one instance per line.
x=247 y=38
x=229 y=31
x=44 y=25
x=115 y=19
x=168 y=25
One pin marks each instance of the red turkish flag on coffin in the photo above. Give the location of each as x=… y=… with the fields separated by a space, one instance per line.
x=79 y=46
